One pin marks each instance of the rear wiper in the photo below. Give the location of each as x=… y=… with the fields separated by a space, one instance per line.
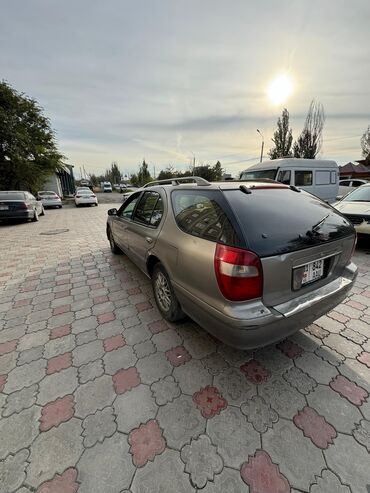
x=317 y=225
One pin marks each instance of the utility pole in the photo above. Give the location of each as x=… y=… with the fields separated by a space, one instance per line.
x=262 y=144
x=193 y=165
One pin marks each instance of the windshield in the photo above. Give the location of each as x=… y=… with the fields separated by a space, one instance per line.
x=361 y=194
x=11 y=196
x=47 y=194
x=258 y=174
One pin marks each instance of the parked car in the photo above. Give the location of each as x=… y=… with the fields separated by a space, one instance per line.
x=82 y=188
x=346 y=185
x=356 y=208
x=49 y=199
x=319 y=177
x=85 y=197
x=251 y=262
x=20 y=205
x=106 y=187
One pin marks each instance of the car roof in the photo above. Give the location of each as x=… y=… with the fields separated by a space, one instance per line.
x=220 y=185
x=295 y=162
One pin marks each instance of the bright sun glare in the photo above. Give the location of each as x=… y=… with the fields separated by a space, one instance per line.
x=280 y=89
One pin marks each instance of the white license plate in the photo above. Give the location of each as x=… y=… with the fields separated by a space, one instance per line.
x=4 y=207
x=313 y=271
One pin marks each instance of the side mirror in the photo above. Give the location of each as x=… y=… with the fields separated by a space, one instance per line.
x=112 y=212
x=339 y=197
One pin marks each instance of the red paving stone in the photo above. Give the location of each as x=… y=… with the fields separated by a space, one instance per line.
x=61 y=483
x=356 y=304
x=209 y=401
x=255 y=372
x=56 y=412
x=348 y=389
x=364 y=358
x=133 y=291
x=3 y=379
x=61 y=309
x=125 y=380
x=142 y=307
x=61 y=282
x=20 y=303
x=58 y=363
x=106 y=317
x=339 y=317
x=62 y=294
x=146 y=442
x=98 y=285
x=114 y=342
x=366 y=293
x=61 y=331
x=8 y=347
x=262 y=475
x=100 y=299
x=157 y=326
x=290 y=349
x=315 y=427
x=178 y=356
x=317 y=331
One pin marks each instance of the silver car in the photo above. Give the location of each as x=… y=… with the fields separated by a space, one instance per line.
x=49 y=199
x=251 y=262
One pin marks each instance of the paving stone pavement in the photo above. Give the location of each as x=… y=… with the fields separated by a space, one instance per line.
x=98 y=394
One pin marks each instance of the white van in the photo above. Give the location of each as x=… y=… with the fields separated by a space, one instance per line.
x=319 y=177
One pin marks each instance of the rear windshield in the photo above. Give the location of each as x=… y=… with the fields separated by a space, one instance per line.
x=281 y=220
x=258 y=174
x=11 y=196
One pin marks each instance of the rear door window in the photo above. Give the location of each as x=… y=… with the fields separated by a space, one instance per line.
x=303 y=178
x=345 y=183
x=201 y=213
x=281 y=220
x=147 y=207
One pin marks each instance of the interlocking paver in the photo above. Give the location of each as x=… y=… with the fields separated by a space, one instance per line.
x=286 y=417
x=54 y=451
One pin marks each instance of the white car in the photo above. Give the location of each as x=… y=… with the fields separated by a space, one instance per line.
x=85 y=197
x=49 y=199
x=356 y=208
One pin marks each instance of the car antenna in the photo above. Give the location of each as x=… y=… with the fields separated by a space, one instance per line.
x=245 y=189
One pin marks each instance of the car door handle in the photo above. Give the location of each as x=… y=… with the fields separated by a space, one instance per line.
x=148 y=239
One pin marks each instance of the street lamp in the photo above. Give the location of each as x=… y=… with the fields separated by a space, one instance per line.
x=262 y=144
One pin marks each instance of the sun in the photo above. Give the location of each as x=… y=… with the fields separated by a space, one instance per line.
x=280 y=89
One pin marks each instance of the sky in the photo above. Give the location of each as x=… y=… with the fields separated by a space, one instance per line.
x=176 y=80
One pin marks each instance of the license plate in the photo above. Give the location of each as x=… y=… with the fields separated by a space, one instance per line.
x=313 y=271
x=4 y=207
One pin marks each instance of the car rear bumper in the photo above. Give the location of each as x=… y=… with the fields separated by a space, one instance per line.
x=87 y=202
x=269 y=324
x=22 y=214
x=51 y=203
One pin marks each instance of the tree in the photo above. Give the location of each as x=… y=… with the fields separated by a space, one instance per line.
x=167 y=173
x=143 y=175
x=282 y=138
x=113 y=174
x=365 y=144
x=28 y=151
x=309 y=143
x=217 y=171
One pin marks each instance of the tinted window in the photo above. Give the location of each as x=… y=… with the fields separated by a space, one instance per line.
x=323 y=177
x=284 y=177
x=357 y=183
x=201 y=214
x=344 y=183
x=128 y=207
x=11 y=196
x=280 y=221
x=258 y=174
x=303 y=178
x=145 y=209
x=157 y=213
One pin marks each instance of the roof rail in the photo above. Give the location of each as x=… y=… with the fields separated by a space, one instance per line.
x=263 y=180
x=176 y=181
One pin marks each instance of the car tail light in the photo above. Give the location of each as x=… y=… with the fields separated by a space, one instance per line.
x=93 y=196
x=239 y=273
x=78 y=196
x=23 y=205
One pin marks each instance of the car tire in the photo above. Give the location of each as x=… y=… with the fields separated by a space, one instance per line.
x=35 y=216
x=113 y=246
x=164 y=295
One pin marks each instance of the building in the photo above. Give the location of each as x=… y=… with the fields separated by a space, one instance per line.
x=351 y=170
x=62 y=182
